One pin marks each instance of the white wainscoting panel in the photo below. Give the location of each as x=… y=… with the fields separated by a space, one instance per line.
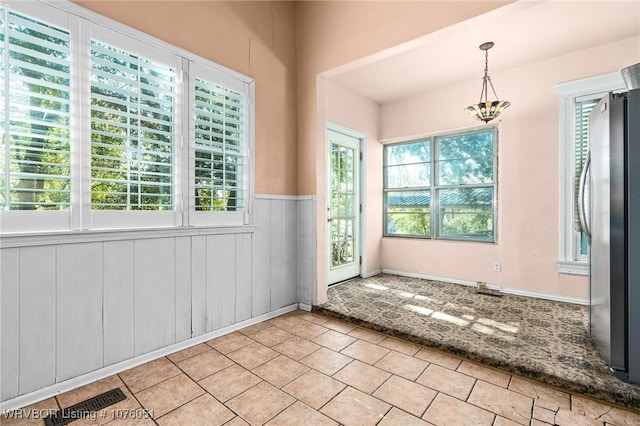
x=198 y=285
x=118 y=283
x=79 y=309
x=154 y=294
x=290 y=276
x=261 y=260
x=183 y=288
x=9 y=313
x=221 y=278
x=307 y=251
x=79 y=305
x=37 y=318
x=275 y=250
x=243 y=261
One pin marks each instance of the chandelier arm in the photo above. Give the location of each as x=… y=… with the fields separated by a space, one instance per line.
x=483 y=90
x=494 y=90
x=486 y=76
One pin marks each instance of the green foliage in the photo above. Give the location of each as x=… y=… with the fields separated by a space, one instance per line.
x=132 y=128
x=465 y=159
x=464 y=211
x=218 y=166
x=132 y=146
x=469 y=223
x=409 y=221
x=38 y=132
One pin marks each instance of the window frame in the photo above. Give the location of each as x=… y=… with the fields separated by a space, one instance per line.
x=436 y=231
x=83 y=26
x=110 y=219
x=570 y=260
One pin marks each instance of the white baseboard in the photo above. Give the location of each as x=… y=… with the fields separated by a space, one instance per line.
x=555 y=297
x=76 y=382
x=372 y=273
x=430 y=277
x=304 y=307
x=495 y=287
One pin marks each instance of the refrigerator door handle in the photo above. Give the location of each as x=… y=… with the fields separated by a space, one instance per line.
x=582 y=211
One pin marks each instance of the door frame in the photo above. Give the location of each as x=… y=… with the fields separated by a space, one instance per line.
x=330 y=126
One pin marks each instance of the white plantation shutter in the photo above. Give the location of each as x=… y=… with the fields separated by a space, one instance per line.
x=132 y=131
x=35 y=156
x=219 y=147
x=105 y=127
x=581 y=148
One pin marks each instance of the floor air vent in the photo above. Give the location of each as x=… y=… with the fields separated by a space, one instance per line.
x=85 y=408
x=488 y=293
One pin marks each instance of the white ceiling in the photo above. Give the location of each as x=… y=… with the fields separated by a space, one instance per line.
x=523 y=32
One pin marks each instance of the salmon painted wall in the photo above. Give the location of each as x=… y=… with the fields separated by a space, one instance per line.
x=330 y=34
x=356 y=112
x=254 y=38
x=528 y=174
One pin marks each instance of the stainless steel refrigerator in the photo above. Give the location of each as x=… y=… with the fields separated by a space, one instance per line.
x=611 y=216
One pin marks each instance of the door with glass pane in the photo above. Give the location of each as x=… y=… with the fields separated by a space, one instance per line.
x=343 y=211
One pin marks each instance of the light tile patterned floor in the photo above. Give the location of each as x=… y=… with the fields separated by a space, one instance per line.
x=306 y=369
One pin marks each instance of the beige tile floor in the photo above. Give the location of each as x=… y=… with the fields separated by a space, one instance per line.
x=306 y=369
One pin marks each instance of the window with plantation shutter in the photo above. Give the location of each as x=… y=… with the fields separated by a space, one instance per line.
x=219 y=134
x=219 y=147
x=577 y=99
x=581 y=149
x=105 y=127
x=132 y=131
x=35 y=155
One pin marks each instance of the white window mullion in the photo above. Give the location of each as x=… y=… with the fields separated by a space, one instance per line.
x=181 y=136
x=76 y=120
x=191 y=145
x=249 y=152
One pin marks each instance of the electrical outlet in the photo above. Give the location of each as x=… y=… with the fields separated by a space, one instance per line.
x=497 y=267
x=481 y=285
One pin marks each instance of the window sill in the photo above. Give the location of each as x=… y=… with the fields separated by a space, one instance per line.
x=429 y=238
x=573 y=267
x=87 y=236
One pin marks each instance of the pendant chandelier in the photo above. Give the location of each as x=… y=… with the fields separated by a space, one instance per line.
x=487 y=110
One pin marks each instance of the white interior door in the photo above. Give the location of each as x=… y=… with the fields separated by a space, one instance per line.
x=343 y=211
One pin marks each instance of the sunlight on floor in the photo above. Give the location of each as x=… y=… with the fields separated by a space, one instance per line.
x=376 y=287
x=481 y=325
x=419 y=310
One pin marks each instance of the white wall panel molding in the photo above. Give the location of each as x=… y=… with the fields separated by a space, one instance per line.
x=140 y=292
x=74 y=237
x=134 y=293
x=307 y=246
